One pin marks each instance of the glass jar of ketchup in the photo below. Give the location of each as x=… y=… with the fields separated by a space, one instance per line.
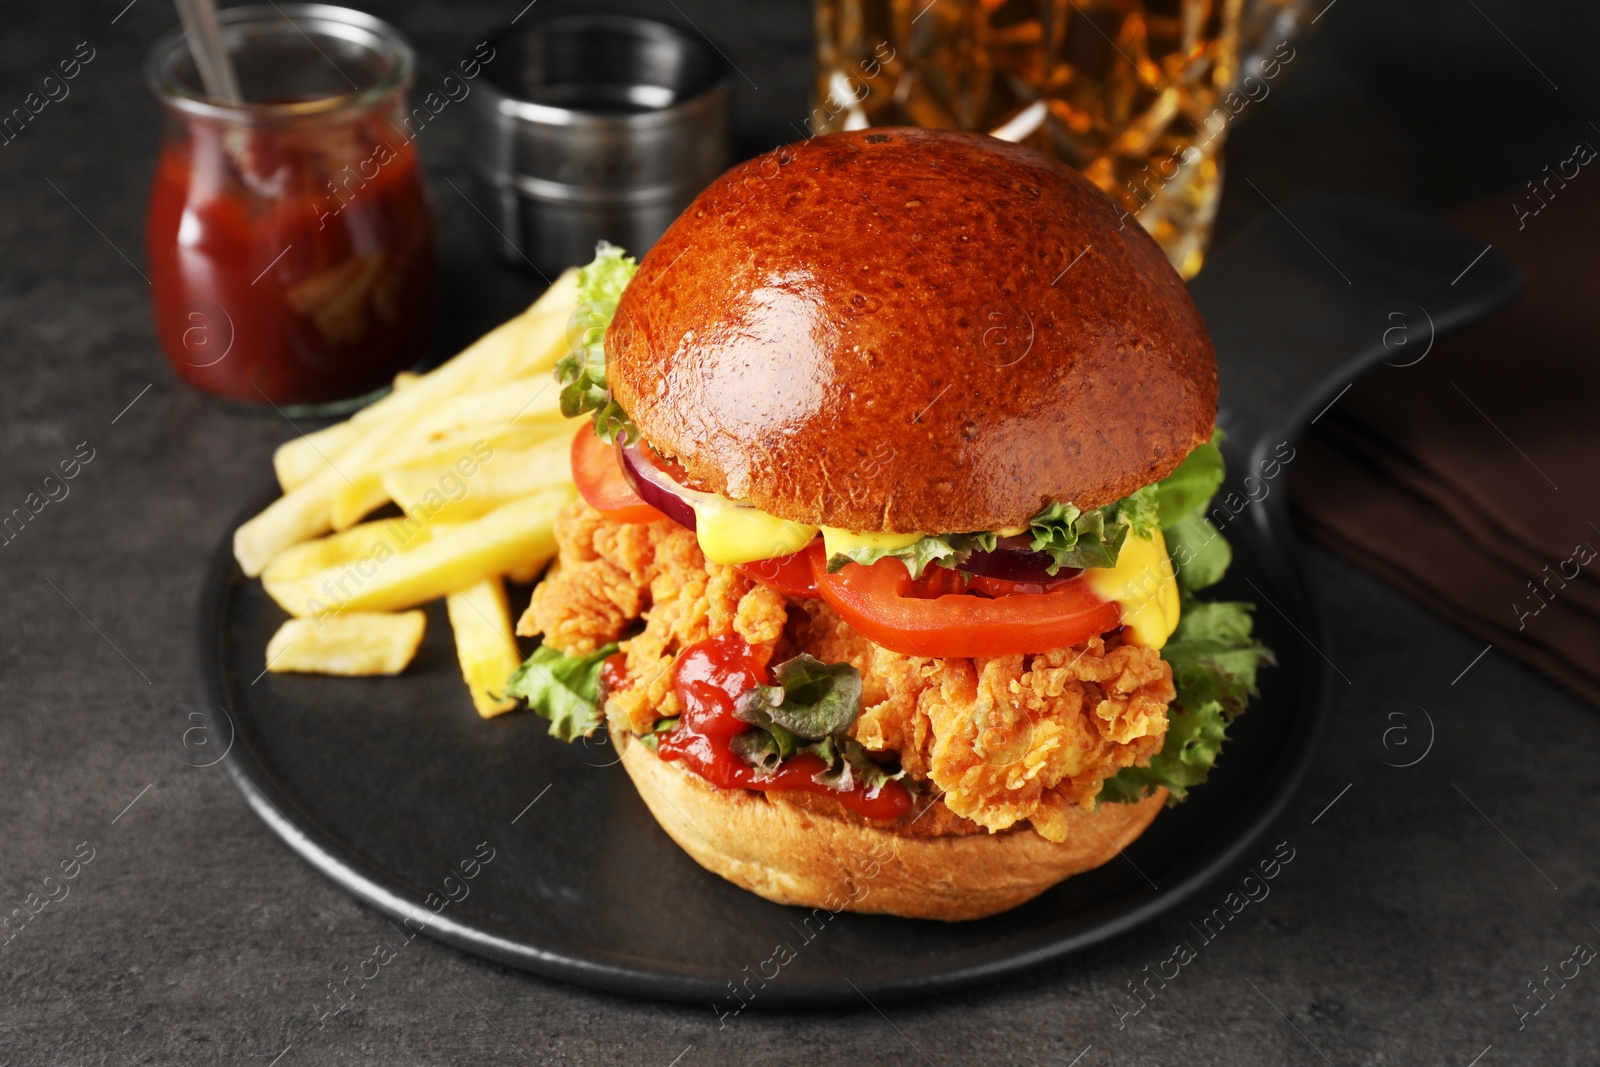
x=289 y=235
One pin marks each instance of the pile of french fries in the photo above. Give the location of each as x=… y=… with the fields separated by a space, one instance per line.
x=475 y=455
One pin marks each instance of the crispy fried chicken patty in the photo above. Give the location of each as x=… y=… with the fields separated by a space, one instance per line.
x=1005 y=740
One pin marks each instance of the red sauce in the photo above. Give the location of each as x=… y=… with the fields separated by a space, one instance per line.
x=708 y=678
x=294 y=265
x=614 y=673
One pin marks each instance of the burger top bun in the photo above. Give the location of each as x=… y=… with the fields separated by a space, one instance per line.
x=912 y=330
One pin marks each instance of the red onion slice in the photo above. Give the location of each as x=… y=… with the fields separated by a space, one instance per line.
x=655 y=487
x=1014 y=560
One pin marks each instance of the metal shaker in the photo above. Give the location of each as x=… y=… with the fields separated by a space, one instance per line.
x=595 y=126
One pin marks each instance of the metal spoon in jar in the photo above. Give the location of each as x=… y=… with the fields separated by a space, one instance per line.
x=199 y=19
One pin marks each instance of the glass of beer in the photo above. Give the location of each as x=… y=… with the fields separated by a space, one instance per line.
x=1138 y=95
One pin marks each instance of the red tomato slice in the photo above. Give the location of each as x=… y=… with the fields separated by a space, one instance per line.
x=790 y=575
x=600 y=481
x=880 y=603
x=998 y=587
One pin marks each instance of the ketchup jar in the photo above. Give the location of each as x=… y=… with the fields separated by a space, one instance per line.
x=289 y=235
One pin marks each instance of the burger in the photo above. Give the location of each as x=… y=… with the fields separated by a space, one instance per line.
x=884 y=574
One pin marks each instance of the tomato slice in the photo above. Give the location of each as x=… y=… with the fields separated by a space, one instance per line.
x=600 y=481
x=998 y=587
x=880 y=603
x=790 y=575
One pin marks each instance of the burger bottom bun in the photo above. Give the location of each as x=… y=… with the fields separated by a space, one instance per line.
x=813 y=855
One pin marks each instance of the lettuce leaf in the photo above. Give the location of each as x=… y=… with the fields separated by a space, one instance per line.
x=1074 y=538
x=947 y=550
x=1213 y=654
x=1189 y=489
x=564 y=689
x=1193 y=740
x=662 y=726
x=1071 y=537
x=808 y=711
x=812 y=699
x=850 y=765
x=1214 y=657
x=581 y=373
x=1200 y=554
x=1214 y=662
x=765 y=748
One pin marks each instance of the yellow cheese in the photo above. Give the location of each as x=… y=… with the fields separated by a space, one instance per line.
x=738 y=533
x=1142 y=582
x=836 y=540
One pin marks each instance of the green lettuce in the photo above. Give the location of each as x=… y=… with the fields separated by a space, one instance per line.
x=1189 y=489
x=1213 y=654
x=946 y=550
x=765 y=748
x=1075 y=538
x=811 y=700
x=581 y=373
x=1200 y=554
x=1193 y=740
x=564 y=689
x=849 y=765
x=1069 y=536
x=808 y=711
x=1214 y=658
x=1214 y=662
x=662 y=727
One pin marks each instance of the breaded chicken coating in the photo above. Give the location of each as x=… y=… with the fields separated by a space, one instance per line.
x=608 y=574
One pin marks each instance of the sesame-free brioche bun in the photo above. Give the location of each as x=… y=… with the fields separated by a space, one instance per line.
x=810 y=851
x=912 y=330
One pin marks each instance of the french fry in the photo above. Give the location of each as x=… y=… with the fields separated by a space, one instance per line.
x=455 y=557
x=298 y=459
x=306 y=510
x=527 y=345
x=355 y=643
x=445 y=494
x=527 y=572
x=464 y=448
x=481 y=619
x=456 y=434
x=335 y=550
x=529 y=400
x=301 y=513
x=347 y=547
x=316 y=470
x=356 y=500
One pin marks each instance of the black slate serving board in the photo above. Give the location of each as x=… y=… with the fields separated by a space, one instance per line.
x=397 y=790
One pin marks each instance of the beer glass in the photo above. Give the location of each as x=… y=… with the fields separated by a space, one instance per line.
x=1138 y=95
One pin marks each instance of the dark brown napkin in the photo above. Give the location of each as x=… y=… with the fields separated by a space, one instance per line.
x=1471 y=479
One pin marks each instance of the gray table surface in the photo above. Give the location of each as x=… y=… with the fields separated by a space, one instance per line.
x=1420 y=902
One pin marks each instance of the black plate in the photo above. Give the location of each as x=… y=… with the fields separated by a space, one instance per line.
x=389 y=786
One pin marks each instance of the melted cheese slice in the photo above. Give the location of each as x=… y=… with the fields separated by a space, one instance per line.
x=738 y=533
x=835 y=541
x=1143 y=583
